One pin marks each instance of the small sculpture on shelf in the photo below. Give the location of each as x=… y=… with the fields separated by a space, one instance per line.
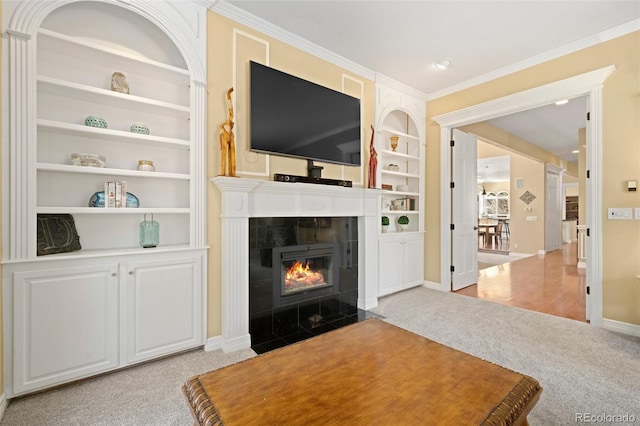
x=373 y=162
x=227 y=141
x=394 y=142
x=119 y=83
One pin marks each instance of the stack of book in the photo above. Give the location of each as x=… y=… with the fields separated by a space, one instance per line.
x=115 y=194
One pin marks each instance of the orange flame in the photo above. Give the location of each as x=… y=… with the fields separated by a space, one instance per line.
x=299 y=276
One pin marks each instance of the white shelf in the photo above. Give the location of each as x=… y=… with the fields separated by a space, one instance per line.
x=70 y=129
x=399 y=155
x=400 y=174
x=127 y=251
x=401 y=193
x=401 y=134
x=399 y=212
x=90 y=51
x=86 y=93
x=65 y=168
x=102 y=210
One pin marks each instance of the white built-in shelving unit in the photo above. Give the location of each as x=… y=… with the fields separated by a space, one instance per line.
x=111 y=303
x=401 y=183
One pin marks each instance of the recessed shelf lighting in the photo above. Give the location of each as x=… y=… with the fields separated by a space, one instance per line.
x=562 y=102
x=575 y=151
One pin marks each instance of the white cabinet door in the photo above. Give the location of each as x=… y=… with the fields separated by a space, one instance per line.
x=401 y=263
x=164 y=307
x=65 y=324
x=391 y=263
x=414 y=261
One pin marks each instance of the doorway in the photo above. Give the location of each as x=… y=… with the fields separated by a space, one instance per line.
x=588 y=84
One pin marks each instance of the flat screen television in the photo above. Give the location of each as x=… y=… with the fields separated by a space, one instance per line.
x=294 y=117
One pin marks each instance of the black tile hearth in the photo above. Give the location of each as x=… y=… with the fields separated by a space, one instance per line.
x=279 y=316
x=264 y=341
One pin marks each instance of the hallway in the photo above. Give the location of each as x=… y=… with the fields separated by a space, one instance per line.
x=552 y=284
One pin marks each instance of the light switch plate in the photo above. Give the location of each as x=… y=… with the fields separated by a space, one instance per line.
x=620 y=213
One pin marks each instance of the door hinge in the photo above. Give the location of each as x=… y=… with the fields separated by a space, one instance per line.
x=452 y=227
x=452 y=185
x=452 y=269
x=452 y=142
x=588 y=116
x=588 y=232
x=588 y=290
x=588 y=174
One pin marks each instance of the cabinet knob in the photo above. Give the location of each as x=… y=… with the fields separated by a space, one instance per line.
x=131 y=272
x=114 y=274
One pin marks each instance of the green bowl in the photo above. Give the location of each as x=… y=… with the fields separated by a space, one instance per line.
x=95 y=122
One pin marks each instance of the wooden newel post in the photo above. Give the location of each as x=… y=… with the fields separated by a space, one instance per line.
x=227 y=141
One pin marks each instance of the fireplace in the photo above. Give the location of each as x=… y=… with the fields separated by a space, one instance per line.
x=246 y=255
x=303 y=277
x=305 y=272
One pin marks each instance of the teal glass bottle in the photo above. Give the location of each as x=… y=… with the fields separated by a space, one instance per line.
x=149 y=232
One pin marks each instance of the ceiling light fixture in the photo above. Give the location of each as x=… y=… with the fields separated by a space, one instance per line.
x=575 y=151
x=562 y=102
x=443 y=64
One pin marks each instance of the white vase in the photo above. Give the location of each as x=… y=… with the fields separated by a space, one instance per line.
x=385 y=228
x=403 y=227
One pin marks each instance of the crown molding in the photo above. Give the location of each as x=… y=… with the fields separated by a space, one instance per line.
x=401 y=87
x=229 y=11
x=592 y=40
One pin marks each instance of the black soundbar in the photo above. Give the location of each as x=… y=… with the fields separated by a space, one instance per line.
x=306 y=179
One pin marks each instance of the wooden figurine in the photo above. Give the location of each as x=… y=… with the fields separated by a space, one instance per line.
x=227 y=142
x=373 y=162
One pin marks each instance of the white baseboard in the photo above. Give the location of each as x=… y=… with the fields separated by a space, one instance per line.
x=621 y=327
x=541 y=253
x=219 y=342
x=214 y=343
x=431 y=285
x=4 y=403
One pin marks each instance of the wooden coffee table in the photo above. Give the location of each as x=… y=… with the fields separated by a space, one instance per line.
x=362 y=374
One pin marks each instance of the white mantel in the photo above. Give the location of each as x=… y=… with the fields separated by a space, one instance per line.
x=245 y=198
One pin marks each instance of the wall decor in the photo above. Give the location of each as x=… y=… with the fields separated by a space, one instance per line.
x=373 y=162
x=228 y=142
x=119 y=83
x=56 y=233
x=527 y=197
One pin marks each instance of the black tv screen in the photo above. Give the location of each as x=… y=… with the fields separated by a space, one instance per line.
x=294 y=117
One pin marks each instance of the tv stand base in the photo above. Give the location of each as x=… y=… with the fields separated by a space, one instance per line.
x=306 y=179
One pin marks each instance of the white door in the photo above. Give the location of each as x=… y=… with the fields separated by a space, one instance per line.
x=553 y=208
x=464 y=211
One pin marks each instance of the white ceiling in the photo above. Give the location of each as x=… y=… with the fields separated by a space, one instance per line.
x=483 y=39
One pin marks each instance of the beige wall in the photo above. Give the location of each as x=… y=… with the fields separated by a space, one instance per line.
x=228 y=40
x=525 y=236
x=620 y=159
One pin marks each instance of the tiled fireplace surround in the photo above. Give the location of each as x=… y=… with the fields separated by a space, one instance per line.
x=253 y=198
